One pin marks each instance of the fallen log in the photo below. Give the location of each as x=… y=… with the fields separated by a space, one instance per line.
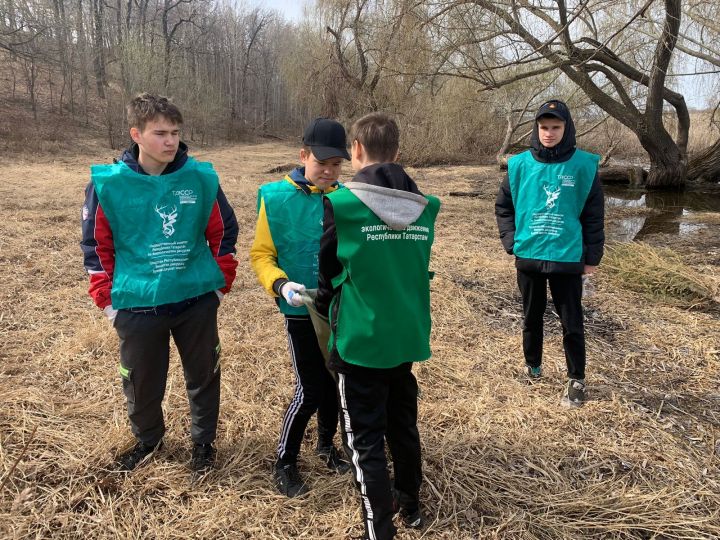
x=632 y=175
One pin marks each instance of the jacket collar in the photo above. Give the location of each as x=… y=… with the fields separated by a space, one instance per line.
x=130 y=158
x=296 y=177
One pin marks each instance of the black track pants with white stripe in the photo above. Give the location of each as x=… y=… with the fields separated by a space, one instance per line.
x=379 y=405
x=314 y=392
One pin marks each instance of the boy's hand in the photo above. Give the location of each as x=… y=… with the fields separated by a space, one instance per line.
x=291 y=293
x=110 y=313
x=589 y=270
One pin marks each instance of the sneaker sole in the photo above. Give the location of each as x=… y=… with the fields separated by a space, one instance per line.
x=564 y=402
x=417 y=524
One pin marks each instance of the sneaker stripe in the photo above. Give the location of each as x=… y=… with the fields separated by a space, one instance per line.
x=356 y=458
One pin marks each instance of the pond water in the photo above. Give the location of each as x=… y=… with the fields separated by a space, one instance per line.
x=634 y=214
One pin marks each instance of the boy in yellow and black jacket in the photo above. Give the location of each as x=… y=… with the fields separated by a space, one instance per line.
x=284 y=256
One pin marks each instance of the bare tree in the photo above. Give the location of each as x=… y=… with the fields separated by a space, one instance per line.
x=174 y=15
x=543 y=38
x=365 y=38
x=699 y=40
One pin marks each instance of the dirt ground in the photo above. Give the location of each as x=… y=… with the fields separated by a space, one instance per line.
x=502 y=459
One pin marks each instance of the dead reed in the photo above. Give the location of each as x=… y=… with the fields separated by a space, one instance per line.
x=660 y=273
x=501 y=458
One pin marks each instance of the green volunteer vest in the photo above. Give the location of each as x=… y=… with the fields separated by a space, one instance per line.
x=158 y=225
x=295 y=220
x=383 y=316
x=548 y=199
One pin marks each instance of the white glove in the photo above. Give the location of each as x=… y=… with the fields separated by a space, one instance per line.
x=291 y=293
x=219 y=294
x=110 y=313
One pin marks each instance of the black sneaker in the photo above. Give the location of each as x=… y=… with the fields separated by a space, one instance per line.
x=137 y=455
x=203 y=457
x=574 y=395
x=412 y=520
x=333 y=459
x=288 y=480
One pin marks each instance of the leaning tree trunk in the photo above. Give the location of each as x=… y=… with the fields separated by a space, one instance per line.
x=501 y=156
x=705 y=165
x=668 y=165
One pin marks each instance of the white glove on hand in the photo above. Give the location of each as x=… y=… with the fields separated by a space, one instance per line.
x=110 y=313
x=291 y=293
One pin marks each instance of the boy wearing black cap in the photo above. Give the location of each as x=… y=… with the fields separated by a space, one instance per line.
x=284 y=256
x=550 y=213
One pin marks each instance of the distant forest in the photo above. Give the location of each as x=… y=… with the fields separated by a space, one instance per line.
x=462 y=77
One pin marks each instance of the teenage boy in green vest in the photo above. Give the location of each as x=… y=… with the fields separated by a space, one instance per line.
x=375 y=285
x=159 y=245
x=550 y=213
x=284 y=256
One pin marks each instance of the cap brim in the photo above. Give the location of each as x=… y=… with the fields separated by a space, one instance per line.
x=326 y=152
x=556 y=114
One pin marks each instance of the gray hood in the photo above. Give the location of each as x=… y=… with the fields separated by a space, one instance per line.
x=396 y=208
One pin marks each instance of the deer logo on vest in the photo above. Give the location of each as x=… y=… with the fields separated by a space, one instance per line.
x=169 y=220
x=551 y=197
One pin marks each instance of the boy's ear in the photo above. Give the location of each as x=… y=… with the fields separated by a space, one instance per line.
x=135 y=134
x=357 y=150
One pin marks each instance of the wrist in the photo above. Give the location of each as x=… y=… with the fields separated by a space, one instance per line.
x=278 y=284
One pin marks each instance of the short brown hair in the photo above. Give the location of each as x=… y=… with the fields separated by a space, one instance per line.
x=379 y=134
x=145 y=107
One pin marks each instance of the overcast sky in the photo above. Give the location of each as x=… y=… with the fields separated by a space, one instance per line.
x=290 y=9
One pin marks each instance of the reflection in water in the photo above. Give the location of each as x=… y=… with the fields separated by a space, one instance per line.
x=626 y=229
x=671 y=211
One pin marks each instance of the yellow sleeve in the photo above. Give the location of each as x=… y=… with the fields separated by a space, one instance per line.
x=263 y=254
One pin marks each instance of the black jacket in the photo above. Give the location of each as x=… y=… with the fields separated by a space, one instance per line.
x=592 y=217
x=130 y=158
x=389 y=175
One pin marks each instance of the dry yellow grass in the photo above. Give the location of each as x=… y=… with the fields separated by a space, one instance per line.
x=662 y=274
x=501 y=458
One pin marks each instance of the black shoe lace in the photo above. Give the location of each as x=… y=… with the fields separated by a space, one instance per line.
x=203 y=450
x=202 y=454
x=136 y=455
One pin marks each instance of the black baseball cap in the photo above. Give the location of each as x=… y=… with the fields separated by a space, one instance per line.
x=326 y=138
x=555 y=108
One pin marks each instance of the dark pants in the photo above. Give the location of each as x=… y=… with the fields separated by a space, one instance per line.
x=314 y=392
x=379 y=405
x=144 y=359
x=566 y=291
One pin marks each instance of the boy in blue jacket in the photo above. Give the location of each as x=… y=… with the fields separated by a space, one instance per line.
x=158 y=239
